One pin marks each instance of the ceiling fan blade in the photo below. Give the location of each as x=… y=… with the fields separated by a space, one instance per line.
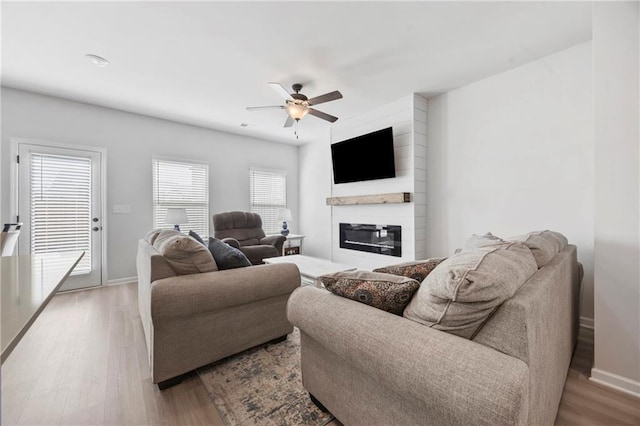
x=331 y=96
x=266 y=107
x=289 y=121
x=323 y=115
x=281 y=91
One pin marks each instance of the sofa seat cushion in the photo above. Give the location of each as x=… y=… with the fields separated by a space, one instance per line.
x=226 y=256
x=388 y=292
x=460 y=294
x=187 y=256
x=417 y=270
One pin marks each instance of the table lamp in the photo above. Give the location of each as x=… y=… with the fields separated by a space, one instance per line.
x=284 y=215
x=176 y=216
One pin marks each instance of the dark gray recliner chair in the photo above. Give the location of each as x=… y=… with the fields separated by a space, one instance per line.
x=243 y=230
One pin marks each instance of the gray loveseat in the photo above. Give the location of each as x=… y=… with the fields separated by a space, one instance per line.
x=370 y=367
x=196 y=319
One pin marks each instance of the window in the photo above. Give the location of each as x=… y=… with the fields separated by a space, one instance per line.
x=181 y=184
x=268 y=194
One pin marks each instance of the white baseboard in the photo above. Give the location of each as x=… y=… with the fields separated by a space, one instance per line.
x=622 y=384
x=586 y=322
x=119 y=281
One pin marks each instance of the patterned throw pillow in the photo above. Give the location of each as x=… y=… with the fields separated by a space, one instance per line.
x=388 y=292
x=417 y=270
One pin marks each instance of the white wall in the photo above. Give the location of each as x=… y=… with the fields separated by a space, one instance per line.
x=616 y=33
x=130 y=141
x=513 y=153
x=314 y=221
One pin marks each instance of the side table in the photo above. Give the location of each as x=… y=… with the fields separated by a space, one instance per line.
x=293 y=245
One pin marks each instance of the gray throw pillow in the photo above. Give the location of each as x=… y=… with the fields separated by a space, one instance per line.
x=198 y=238
x=227 y=257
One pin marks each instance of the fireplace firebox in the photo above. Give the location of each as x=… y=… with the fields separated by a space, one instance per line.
x=381 y=239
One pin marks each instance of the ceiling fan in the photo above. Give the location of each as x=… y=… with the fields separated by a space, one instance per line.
x=298 y=105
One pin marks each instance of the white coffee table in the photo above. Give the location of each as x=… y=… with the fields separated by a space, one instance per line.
x=311 y=268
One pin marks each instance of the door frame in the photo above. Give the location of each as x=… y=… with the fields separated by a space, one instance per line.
x=13 y=182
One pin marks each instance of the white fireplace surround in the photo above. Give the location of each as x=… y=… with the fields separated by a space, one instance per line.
x=407 y=117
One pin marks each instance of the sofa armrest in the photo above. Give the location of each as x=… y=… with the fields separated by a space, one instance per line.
x=189 y=295
x=455 y=379
x=232 y=242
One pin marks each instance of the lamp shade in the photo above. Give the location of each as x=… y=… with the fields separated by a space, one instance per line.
x=176 y=215
x=284 y=214
x=297 y=111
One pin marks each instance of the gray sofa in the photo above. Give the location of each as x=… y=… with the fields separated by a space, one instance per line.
x=193 y=320
x=369 y=367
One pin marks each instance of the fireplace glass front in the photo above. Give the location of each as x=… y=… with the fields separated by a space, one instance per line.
x=381 y=239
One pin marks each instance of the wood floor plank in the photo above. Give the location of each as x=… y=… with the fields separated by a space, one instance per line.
x=84 y=362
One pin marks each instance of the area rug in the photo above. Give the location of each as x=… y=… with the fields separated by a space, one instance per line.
x=262 y=386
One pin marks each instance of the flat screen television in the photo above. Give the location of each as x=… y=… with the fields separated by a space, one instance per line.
x=365 y=157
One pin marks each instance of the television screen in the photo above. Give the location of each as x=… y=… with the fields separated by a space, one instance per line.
x=365 y=157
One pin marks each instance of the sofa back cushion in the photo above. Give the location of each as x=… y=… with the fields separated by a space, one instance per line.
x=246 y=227
x=152 y=235
x=460 y=294
x=542 y=249
x=162 y=236
x=187 y=256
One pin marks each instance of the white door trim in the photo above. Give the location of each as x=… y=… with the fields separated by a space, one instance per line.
x=13 y=203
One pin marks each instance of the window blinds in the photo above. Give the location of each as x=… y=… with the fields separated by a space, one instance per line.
x=268 y=193
x=61 y=206
x=180 y=184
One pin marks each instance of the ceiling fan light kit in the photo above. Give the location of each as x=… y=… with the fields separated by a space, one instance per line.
x=298 y=105
x=296 y=110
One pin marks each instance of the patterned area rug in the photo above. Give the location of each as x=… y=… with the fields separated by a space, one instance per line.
x=262 y=386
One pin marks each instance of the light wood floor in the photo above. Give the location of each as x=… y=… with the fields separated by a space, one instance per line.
x=84 y=362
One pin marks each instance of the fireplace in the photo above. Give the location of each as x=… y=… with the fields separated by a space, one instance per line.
x=381 y=239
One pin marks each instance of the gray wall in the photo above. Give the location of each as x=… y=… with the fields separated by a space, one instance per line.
x=131 y=140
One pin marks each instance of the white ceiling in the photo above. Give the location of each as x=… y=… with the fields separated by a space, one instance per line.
x=202 y=63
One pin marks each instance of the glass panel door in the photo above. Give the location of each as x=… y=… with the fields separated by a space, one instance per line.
x=59 y=204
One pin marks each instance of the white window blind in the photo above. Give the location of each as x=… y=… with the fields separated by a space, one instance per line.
x=61 y=206
x=268 y=194
x=181 y=184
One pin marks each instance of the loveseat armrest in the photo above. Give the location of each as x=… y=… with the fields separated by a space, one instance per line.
x=189 y=295
x=454 y=380
x=231 y=241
